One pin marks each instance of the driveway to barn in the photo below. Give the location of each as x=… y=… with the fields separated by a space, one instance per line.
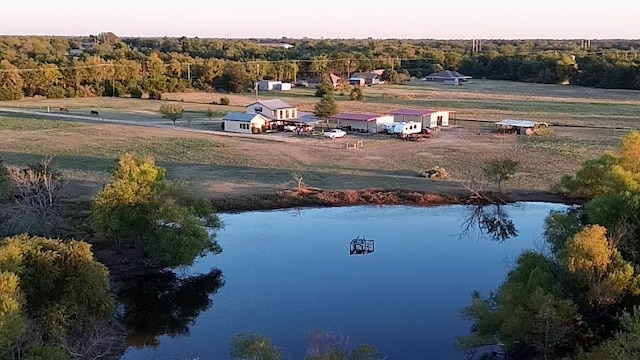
x=100 y=119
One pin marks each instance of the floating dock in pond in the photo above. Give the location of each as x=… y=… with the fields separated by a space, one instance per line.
x=361 y=246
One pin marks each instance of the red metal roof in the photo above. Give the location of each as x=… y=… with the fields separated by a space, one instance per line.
x=412 y=112
x=357 y=117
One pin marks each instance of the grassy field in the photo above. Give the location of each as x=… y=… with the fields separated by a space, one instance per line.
x=221 y=166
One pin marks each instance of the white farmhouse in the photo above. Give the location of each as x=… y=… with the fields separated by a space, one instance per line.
x=273 y=109
x=428 y=118
x=243 y=123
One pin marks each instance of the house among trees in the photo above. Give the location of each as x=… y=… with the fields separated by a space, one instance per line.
x=367 y=78
x=447 y=77
x=268 y=85
x=315 y=81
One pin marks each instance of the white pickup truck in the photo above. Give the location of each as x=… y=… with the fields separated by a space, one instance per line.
x=334 y=133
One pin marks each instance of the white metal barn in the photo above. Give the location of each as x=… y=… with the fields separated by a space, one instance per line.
x=243 y=123
x=429 y=118
x=268 y=85
x=371 y=123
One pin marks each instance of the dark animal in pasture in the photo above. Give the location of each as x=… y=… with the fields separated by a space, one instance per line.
x=95 y=113
x=64 y=109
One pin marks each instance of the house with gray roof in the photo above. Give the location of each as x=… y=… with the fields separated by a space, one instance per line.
x=274 y=109
x=448 y=77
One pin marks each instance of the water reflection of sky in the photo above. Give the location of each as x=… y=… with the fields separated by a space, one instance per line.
x=290 y=271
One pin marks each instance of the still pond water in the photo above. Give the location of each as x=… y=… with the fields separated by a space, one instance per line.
x=285 y=273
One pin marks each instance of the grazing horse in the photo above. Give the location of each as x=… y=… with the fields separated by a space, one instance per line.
x=64 y=109
x=93 y=112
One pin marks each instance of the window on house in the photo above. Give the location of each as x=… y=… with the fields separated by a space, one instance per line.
x=287 y=114
x=258 y=109
x=280 y=115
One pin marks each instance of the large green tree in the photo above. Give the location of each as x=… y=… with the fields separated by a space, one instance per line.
x=137 y=208
x=326 y=107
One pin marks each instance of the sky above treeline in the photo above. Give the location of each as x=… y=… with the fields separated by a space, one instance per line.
x=463 y=19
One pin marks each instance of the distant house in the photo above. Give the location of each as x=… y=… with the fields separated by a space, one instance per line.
x=243 y=123
x=283 y=87
x=274 y=109
x=273 y=44
x=267 y=85
x=75 y=52
x=315 y=81
x=371 y=123
x=447 y=77
x=370 y=78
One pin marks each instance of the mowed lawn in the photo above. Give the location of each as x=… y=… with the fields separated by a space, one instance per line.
x=220 y=166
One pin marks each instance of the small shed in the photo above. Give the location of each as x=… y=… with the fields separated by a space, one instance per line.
x=428 y=117
x=520 y=127
x=369 y=123
x=244 y=123
x=268 y=85
x=282 y=86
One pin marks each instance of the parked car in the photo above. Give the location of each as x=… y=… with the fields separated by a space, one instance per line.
x=289 y=128
x=334 y=133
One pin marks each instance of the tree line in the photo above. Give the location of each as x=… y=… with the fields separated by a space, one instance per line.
x=106 y=65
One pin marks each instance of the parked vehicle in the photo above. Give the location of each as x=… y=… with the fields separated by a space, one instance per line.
x=289 y=128
x=388 y=129
x=334 y=133
x=407 y=128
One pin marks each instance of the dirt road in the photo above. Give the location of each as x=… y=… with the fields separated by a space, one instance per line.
x=99 y=119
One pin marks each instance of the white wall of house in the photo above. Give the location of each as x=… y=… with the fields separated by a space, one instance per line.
x=279 y=114
x=286 y=114
x=243 y=127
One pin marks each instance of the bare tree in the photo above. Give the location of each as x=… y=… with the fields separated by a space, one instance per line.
x=299 y=182
x=37 y=188
x=33 y=197
x=100 y=340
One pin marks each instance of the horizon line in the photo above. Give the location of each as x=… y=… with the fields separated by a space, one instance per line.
x=319 y=38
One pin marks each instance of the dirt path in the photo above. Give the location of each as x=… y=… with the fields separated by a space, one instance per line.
x=98 y=120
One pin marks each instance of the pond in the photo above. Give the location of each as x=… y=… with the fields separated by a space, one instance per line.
x=287 y=274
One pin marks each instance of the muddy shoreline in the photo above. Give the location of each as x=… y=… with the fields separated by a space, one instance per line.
x=311 y=197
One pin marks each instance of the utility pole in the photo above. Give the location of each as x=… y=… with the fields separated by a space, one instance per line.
x=113 y=81
x=189 y=73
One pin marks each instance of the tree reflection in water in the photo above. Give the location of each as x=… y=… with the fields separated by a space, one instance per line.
x=492 y=222
x=164 y=304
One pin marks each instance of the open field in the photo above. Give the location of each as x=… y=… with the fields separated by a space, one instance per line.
x=221 y=166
